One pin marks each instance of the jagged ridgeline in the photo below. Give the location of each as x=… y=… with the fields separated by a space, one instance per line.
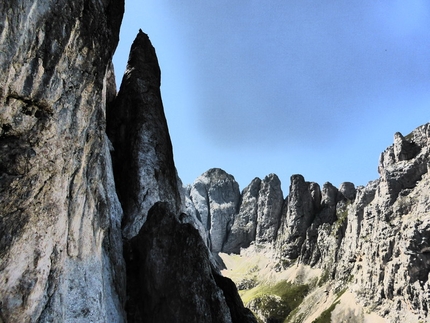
x=348 y=253
x=95 y=225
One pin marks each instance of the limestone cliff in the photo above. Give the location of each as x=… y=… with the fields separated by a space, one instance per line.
x=59 y=213
x=215 y=196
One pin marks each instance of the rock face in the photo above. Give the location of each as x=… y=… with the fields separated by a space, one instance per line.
x=243 y=230
x=137 y=127
x=387 y=230
x=60 y=216
x=270 y=200
x=233 y=220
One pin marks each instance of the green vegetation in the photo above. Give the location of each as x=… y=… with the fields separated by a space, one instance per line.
x=275 y=302
x=325 y=316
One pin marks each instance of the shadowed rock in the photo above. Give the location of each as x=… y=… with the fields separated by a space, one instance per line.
x=171 y=278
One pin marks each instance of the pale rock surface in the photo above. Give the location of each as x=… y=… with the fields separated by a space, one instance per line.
x=60 y=216
x=373 y=240
x=378 y=246
x=215 y=195
x=234 y=220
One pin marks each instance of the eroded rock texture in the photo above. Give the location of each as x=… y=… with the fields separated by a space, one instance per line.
x=270 y=200
x=385 y=248
x=377 y=244
x=60 y=217
x=232 y=219
x=244 y=227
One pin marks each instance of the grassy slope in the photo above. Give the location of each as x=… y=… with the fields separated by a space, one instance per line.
x=295 y=294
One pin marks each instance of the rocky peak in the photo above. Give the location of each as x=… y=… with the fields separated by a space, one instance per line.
x=404 y=149
x=347 y=191
x=259 y=215
x=169 y=267
x=302 y=205
x=143 y=157
x=401 y=165
x=244 y=226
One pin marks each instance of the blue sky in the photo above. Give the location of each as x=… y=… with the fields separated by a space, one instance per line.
x=316 y=88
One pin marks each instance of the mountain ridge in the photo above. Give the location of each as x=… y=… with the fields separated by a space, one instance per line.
x=350 y=232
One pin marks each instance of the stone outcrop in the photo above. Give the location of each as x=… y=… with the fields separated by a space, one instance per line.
x=232 y=219
x=373 y=239
x=59 y=213
x=384 y=250
x=244 y=227
x=270 y=201
x=302 y=205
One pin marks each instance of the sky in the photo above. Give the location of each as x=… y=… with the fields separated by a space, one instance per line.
x=316 y=88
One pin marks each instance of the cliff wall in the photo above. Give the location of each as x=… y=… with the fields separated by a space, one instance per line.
x=60 y=216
